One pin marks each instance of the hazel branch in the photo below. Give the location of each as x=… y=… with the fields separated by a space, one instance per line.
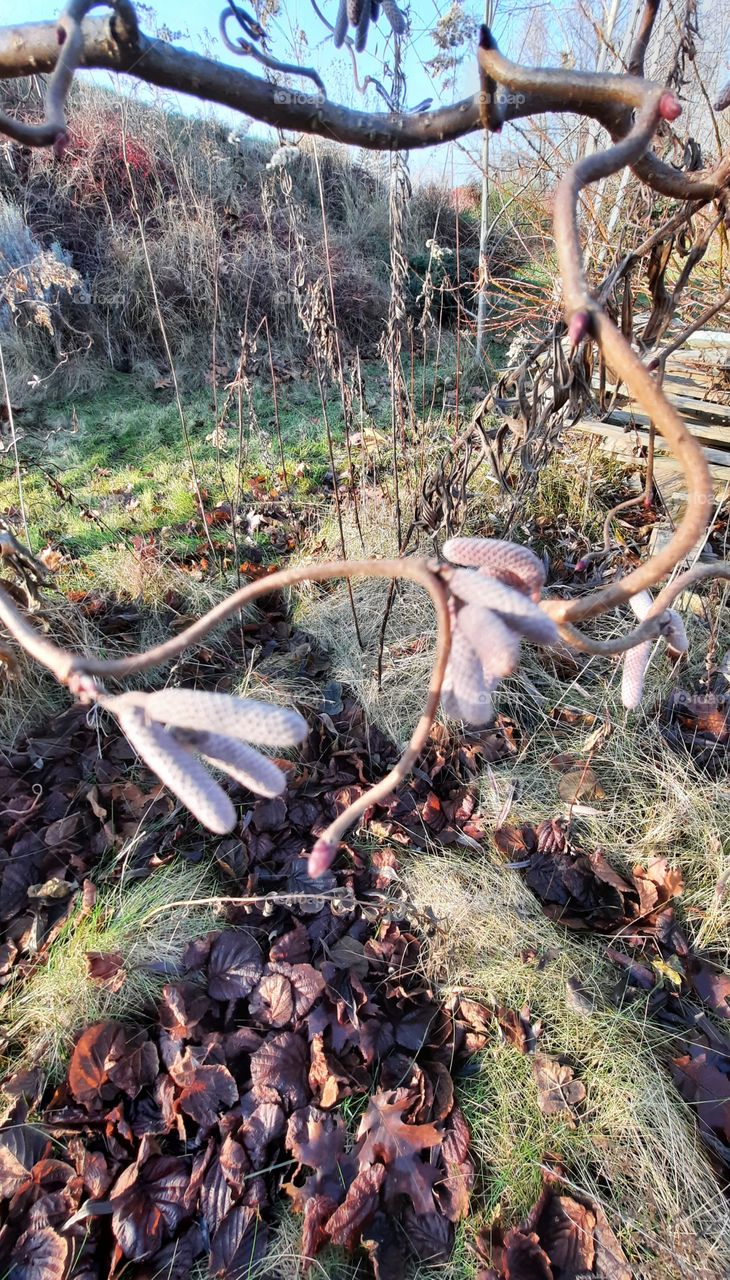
x=69 y=55
x=513 y=92
x=81 y=673
x=609 y=99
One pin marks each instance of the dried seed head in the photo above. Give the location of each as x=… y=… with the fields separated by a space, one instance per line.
x=496 y=646
x=513 y=564
x=178 y=768
x=551 y=836
x=246 y=718
x=514 y=608
x=632 y=682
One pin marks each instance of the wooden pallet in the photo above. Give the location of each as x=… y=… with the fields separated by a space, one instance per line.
x=697 y=381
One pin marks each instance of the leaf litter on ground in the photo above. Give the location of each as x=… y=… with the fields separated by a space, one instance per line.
x=174 y=1141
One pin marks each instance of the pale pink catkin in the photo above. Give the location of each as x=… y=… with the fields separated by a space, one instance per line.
x=675 y=634
x=521 y=614
x=508 y=561
x=641 y=604
x=243 y=763
x=470 y=689
x=496 y=646
x=244 y=718
x=180 y=770
x=634 y=670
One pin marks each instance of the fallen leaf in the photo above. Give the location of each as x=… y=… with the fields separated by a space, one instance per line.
x=239 y=1243
x=149 y=1203
x=384 y=1136
x=39 y=1254
x=358 y=1208
x=235 y=965
x=558 y=1092
x=580 y=784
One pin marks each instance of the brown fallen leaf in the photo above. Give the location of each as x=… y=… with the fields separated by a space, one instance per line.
x=710 y=984
x=106 y=969
x=358 y=1208
x=384 y=1136
x=558 y=1092
x=566 y=1230
x=707 y=1088
x=580 y=784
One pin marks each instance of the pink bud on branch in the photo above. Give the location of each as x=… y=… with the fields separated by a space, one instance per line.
x=579 y=327
x=670 y=108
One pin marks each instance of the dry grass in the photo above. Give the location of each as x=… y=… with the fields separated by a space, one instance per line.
x=325 y=613
x=636 y=1149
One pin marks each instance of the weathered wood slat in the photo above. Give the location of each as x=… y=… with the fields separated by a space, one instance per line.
x=695 y=378
x=713 y=433
x=708 y=338
x=619 y=441
x=689 y=406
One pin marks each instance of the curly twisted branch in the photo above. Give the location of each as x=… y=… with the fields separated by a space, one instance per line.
x=246 y=46
x=80 y=673
x=71 y=43
x=117 y=44
x=586 y=318
x=609 y=99
x=494 y=593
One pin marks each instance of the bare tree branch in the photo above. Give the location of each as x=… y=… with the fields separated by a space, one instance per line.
x=514 y=92
x=111 y=45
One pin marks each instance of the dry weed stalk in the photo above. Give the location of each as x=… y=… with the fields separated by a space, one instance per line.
x=501 y=582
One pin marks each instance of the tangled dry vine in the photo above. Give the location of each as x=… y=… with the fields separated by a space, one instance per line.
x=487 y=595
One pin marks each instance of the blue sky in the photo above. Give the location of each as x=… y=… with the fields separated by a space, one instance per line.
x=198 y=23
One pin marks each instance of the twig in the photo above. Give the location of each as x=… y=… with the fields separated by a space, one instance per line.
x=14 y=439
x=118 y=45
x=80 y=673
x=246 y=48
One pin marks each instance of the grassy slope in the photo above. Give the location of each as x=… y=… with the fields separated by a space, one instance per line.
x=121 y=454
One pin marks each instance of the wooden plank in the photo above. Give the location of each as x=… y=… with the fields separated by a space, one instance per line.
x=715 y=434
x=709 y=338
x=709 y=409
x=621 y=442
x=684 y=393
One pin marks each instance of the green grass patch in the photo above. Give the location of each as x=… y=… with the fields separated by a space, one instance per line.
x=42 y=1014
